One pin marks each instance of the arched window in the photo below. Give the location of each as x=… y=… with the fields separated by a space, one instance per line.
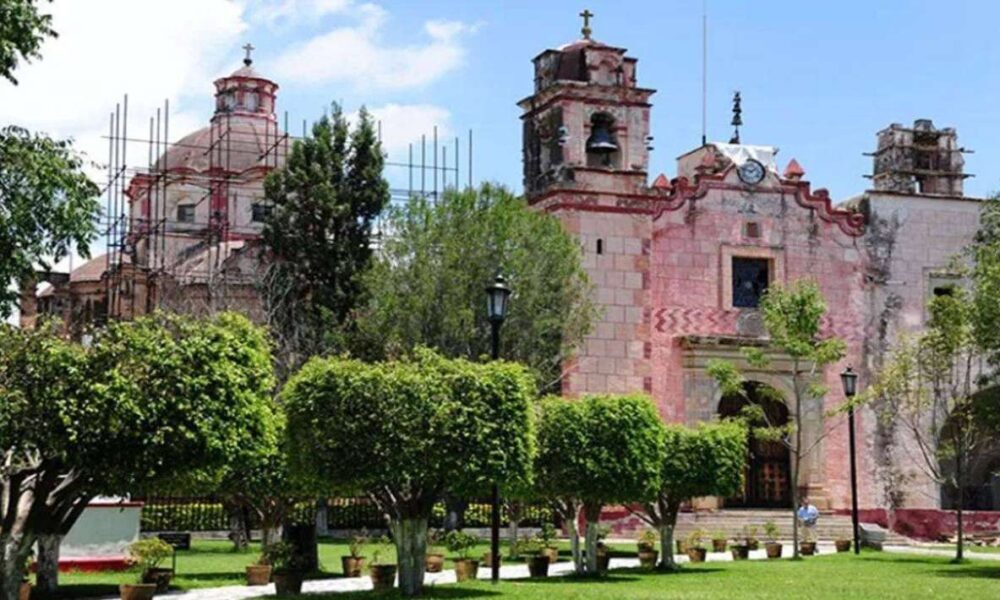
x=602 y=146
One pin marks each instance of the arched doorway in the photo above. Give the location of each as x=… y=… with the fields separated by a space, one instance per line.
x=767 y=480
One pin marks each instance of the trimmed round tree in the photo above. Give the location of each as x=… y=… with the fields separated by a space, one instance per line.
x=405 y=432
x=704 y=461
x=595 y=451
x=149 y=401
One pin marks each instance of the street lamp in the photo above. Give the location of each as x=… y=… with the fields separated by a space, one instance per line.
x=850 y=381
x=497 y=296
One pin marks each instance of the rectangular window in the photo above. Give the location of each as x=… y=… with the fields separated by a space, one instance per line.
x=750 y=279
x=260 y=212
x=185 y=213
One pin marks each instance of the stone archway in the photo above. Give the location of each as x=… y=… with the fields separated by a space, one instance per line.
x=767 y=480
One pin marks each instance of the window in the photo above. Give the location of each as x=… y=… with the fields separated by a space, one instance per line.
x=260 y=212
x=600 y=246
x=251 y=101
x=185 y=213
x=944 y=290
x=752 y=229
x=750 y=279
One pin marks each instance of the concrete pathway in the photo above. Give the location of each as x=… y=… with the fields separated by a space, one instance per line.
x=518 y=571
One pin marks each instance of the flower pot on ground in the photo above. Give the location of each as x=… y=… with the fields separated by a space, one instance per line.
x=546 y=537
x=462 y=543
x=682 y=547
x=25 y=592
x=719 y=544
x=487 y=560
x=647 y=541
x=137 y=591
x=258 y=574
x=552 y=552
x=159 y=577
x=382 y=572
x=287 y=567
x=696 y=546
x=603 y=558
x=466 y=569
x=434 y=562
x=807 y=548
x=147 y=554
x=740 y=551
x=287 y=583
x=750 y=537
x=648 y=558
x=773 y=549
x=538 y=565
x=697 y=554
x=354 y=564
x=843 y=545
x=772 y=546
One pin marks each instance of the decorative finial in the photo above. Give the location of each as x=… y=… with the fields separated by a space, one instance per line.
x=586 y=14
x=246 y=59
x=737 y=118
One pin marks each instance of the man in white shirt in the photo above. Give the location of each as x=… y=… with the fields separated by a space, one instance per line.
x=808 y=515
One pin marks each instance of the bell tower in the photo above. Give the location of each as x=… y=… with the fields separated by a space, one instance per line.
x=586 y=150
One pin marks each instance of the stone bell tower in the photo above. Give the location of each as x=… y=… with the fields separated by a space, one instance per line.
x=586 y=150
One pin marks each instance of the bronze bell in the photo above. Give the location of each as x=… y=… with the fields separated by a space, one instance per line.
x=601 y=141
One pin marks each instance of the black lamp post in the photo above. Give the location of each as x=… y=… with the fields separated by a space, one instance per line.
x=850 y=381
x=497 y=296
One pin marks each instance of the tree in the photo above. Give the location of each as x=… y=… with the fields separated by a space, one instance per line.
x=595 y=451
x=149 y=401
x=406 y=432
x=22 y=31
x=705 y=461
x=319 y=235
x=426 y=287
x=792 y=317
x=47 y=204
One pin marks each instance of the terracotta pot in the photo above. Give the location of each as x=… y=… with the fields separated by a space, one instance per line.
x=645 y=547
x=647 y=558
x=487 y=561
x=159 y=577
x=719 y=545
x=353 y=565
x=552 y=553
x=434 y=563
x=773 y=549
x=25 y=592
x=137 y=591
x=383 y=576
x=740 y=551
x=466 y=569
x=258 y=574
x=603 y=560
x=682 y=547
x=287 y=583
x=807 y=548
x=538 y=565
x=697 y=554
x=844 y=545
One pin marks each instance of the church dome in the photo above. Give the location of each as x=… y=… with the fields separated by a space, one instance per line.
x=233 y=144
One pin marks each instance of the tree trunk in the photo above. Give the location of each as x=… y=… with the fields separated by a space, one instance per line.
x=15 y=552
x=574 y=537
x=410 y=536
x=667 y=526
x=593 y=514
x=796 y=462
x=269 y=533
x=237 y=526
x=48 y=563
x=960 y=493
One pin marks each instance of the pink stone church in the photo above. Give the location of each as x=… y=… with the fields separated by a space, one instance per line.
x=679 y=266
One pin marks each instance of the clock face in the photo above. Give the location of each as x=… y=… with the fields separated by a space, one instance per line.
x=751 y=172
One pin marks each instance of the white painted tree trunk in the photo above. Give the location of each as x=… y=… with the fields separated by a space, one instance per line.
x=14 y=555
x=48 y=563
x=411 y=554
x=574 y=545
x=667 y=547
x=593 y=514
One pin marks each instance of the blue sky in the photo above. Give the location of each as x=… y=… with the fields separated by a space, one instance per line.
x=818 y=78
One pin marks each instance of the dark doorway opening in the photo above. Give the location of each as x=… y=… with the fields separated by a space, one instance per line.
x=767 y=480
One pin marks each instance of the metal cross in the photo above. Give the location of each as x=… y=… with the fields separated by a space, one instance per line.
x=586 y=14
x=249 y=48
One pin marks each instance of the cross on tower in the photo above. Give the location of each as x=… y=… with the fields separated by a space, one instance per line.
x=586 y=14
x=249 y=48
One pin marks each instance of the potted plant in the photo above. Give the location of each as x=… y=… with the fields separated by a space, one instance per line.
x=354 y=562
x=648 y=554
x=434 y=563
x=603 y=552
x=146 y=555
x=844 y=544
x=538 y=561
x=807 y=547
x=259 y=573
x=25 y=591
x=547 y=536
x=695 y=546
x=462 y=543
x=287 y=568
x=772 y=546
x=740 y=549
x=719 y=541
x=750 y=535
x=382 y=572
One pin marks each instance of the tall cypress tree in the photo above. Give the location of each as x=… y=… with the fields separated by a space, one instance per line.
x=325 y=201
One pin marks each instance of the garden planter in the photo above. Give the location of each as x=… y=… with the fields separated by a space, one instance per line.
x=288 y=583
x=434 y=563
x=353 y=565
x=488 y=560
x=466 y=569
x=383 y=576
x=647 y=558
x=843 y=545
x=137 y=591
x=740 y=552
x=773 y=549
x=719 y=545
x=682 y=547
x=603 y=560
x=160 y=578
x=552 y=553
x=25 y=593
x=258 y=574
x=538 y=565
x=807 y=548
x=697 y=554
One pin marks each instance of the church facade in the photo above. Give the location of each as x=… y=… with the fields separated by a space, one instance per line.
x=679 y=265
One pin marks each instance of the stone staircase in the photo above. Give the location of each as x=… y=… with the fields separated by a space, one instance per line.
x=731 y=521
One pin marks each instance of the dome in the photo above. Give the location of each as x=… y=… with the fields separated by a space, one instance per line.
x=235 y=143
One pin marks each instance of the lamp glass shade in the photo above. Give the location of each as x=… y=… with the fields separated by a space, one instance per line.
x=850 y=381
x=497 y=296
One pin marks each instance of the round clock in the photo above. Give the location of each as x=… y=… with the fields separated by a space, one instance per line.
x=751 y=172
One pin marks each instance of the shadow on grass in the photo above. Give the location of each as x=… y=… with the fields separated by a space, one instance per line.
x=964 y=570
x=444 y=592
x=80 y=590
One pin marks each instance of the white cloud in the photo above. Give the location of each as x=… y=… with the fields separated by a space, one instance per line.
x=284 y=13
x=403 y=124
x=357 y=54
